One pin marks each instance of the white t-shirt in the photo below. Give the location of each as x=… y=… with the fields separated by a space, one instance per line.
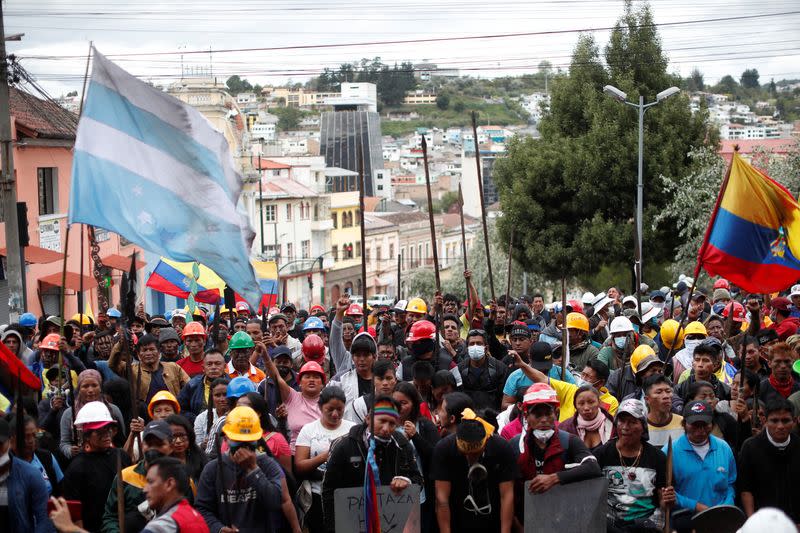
x=318 y=439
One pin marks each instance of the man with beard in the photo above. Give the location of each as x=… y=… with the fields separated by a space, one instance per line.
x=102 y=344
x=193 y=398
x=169 y=344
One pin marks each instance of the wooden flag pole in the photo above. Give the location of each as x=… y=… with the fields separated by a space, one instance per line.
x=669 y=483
x=508 y=279
x=464 y=250
x=564 y=331
x=437 y=312
x=483 y=205
x=399 y=260
x=363 y=239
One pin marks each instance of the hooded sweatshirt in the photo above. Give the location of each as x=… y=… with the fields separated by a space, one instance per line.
x=25 y=354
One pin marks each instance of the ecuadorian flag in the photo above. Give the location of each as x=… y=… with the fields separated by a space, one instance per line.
x=753 y=238
x=174 y=278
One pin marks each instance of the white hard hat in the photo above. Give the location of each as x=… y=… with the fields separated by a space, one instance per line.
x=400 y=305
x=93 y=412
x=620 y=324
x=795 y=291
x=768 y=519
x=587 y=298
x=179 y=312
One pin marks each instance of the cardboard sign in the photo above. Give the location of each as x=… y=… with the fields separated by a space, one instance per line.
x=399 y=512
x=576 y=507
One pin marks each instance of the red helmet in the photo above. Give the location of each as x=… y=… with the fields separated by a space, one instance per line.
x=316 y=309
x=354 y=309
x=373 y=332
x=311 y=367
x=576 y=306
x=739 y=313
x=540 y=393
x=51 y=342
x=722 y=283
x=313 y=347
x=421 y=330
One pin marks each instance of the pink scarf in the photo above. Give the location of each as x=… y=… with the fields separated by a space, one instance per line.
x=596 y=424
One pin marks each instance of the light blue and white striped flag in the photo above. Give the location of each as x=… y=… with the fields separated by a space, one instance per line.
x=152 y=169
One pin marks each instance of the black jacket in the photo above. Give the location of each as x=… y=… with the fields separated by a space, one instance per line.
x=439 y=363
x=486 y=388
x=347 y=460
x=771 y=474
x=622 y=383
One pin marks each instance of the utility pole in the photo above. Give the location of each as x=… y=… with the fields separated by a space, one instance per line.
x=14 y=266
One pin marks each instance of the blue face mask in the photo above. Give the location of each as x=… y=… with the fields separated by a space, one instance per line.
x=548 y=339
x=619 y=342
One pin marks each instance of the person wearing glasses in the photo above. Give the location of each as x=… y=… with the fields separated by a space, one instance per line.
x=241 y=490
x=473 y=470
x=482 y=376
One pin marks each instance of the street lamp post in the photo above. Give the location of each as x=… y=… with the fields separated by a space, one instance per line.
x=621 y=96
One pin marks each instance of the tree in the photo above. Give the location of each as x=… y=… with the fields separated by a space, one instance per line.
x=691 y=197
x=72 y=93
x=695 y=81
x=443 y=101
x=288 y=117
x=459 y=107
x=238 y=85
x=726 y=85
x=749 y=79
x=570 y=195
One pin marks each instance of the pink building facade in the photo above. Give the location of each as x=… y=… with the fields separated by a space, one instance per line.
x=44 y=135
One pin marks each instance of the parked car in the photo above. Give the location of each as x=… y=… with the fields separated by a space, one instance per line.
x=380 y=299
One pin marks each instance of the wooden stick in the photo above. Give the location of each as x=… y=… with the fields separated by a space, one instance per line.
x=399 y=260
x=120 y=495
x=363 y=239
x=483 y=206
x=464 y=250
x=80 y=226
x=437 y=310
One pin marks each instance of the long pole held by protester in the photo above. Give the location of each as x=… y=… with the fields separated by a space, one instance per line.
x=120 y=494
x=128 y=297
x=363 y=239
x=483 y=205
x=667 y=528
x=564 y=331
x=464 y=249
x=399 y=266
x=508 y=277
x=80 y=226
x=434 y=244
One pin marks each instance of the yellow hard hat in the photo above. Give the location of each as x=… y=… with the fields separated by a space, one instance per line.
x=417 y=305
x=83 y=320
x=224 y=309
x=668 y=331
x=163 y=396
x=696 y=328
x=642 y=352
x=242 y=425
x=578 y=321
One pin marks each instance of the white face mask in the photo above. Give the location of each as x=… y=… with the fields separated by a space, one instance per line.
x=691 y=344
x=4 y=459
x=543 y=435
x=658 y=305
x=476 y=353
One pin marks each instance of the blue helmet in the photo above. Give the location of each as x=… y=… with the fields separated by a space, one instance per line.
x=114 y=313
x=27 y=320
x=240 y=386
x=313 y=322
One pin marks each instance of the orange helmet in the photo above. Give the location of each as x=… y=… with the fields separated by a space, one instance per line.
x=193 y=328
x=51 y=342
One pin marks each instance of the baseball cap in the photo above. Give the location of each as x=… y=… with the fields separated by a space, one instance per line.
x=288 y=305
x=647 y=361
x=766 y=335
x=697 y=411
x=633 y=407
x=721 y=294
x=278 y=316
x=281 y=351
x=657 y=294
x=698 y=295
x=795 y=291
x=158 y=429
x=541 y=356
x=780 y=303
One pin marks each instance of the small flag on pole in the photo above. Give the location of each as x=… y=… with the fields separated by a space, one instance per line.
x=152 y=169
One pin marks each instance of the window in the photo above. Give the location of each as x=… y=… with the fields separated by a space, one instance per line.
x=289 y=212
x=335 y=219
x=357 y=220
x=380 y=187
x=271 y=252
x=378 y=253
x=270 y=213
x=358 y=249
x=391 y=250
x=420 y=257
x=335 y=252
x=369 y=254
x=48 y=190
x=305 y=249
x=289 y=251
x=348 y=251
x=316 y=211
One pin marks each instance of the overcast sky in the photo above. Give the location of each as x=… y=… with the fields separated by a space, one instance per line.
x=58 y=32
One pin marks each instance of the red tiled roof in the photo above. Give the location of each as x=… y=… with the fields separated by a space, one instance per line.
x=268 y=164
x=41 y=118
x=778 y=146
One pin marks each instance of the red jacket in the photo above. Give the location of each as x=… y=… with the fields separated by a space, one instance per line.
x=786 y=328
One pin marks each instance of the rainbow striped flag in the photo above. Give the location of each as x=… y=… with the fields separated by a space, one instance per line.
x=753 y=238
x=372 y=479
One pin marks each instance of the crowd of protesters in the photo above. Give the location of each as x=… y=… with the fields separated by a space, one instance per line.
x=250 y=421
